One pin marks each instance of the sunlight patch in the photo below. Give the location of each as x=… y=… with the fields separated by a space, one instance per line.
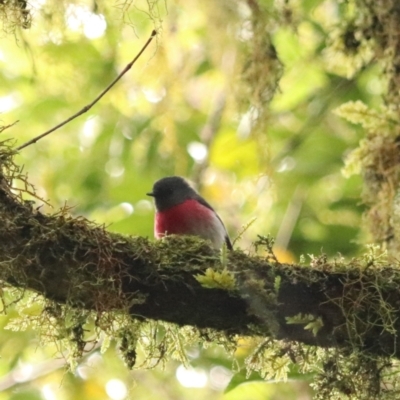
x=116 y=389
x=81 y=18
x=191 y=377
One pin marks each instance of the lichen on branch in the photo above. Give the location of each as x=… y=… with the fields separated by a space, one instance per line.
x=87 y=281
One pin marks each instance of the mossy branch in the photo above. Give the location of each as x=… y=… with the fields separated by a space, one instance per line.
x=72 y=261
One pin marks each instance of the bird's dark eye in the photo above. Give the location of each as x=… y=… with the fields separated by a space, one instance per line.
x=164 y=192
x=167 y=192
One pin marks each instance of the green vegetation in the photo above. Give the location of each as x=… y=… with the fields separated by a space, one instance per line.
x=285 y=115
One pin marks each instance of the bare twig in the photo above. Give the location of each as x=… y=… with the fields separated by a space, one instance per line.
x=18 y=377
x=89 y=106
x=4 y=127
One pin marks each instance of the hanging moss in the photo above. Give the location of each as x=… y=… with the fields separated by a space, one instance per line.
x=338 y=320
x=76 y=283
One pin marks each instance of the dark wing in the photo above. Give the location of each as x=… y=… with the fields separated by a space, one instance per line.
x=205 y=204
x=228 y=242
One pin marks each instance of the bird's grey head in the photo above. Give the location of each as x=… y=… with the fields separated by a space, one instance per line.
x=171 y=191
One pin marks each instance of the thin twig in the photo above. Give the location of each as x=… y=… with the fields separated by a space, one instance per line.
x=89 y=106
x=44 y=368
x=4 y=127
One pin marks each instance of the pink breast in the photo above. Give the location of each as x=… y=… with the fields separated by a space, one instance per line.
x=190 y=218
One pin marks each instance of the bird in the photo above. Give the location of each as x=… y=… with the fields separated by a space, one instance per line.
x=180 y=210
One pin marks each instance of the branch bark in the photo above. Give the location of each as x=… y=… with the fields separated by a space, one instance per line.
x=71 y=260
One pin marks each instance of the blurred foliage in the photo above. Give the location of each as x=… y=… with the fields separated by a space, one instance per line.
x=196 y=105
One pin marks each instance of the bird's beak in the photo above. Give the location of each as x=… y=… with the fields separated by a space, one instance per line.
x=150 y=194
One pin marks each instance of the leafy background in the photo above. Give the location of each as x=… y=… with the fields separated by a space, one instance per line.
x=181 y=110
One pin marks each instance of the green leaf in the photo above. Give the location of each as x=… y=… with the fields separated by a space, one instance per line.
x=242 y=377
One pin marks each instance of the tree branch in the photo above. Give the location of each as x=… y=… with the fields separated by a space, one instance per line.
x=70 y=260
x=90 y=105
